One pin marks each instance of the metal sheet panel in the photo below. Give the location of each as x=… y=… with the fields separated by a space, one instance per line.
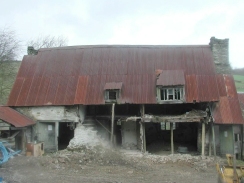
x=228 y=111
x=51 y=91
x=13 y=97
x=81 y=90
x=191 y=89
x=135 y=66
x=42 y=93
x=24 y=91
x=13 y=117
x=113 y=86
x=171 y=78
x=70 y=91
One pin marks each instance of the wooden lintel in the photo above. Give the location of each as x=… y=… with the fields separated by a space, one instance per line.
x=158 y=119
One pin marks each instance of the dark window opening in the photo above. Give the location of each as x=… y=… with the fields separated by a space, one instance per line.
x=112 y=95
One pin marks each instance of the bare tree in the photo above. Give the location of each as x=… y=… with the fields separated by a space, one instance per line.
x=9 y=50
x=9 y=45
x=48 y=42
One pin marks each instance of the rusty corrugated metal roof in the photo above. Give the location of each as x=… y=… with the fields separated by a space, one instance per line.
x=113 y=86
x=241 y=97
x=171 y=78
x=227 y=110
x=241 y=101
x=77 y=75
x=14 y=118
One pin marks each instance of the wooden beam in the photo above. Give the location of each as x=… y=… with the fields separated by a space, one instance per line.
x=172 y=138
x=213 y=139
x=203 y=139
x=209 y=143
x=112 y=125
x=142 y=130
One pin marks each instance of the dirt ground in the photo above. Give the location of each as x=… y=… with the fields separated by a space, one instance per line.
x=109 y=166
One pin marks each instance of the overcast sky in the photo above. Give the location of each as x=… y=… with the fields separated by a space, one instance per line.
x=163 y=22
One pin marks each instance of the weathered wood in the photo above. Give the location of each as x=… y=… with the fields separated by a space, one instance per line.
x=213 y=140
x=142 y=130
x=209 y=143
x=172 y=138
x=203 y=139
x=112 y=125
x=181 y=118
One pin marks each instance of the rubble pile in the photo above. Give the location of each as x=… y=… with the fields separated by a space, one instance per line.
x=86 y=136
x=199 y=162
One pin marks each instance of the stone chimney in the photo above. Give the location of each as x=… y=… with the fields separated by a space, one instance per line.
x=220 y=49
x=31 y=50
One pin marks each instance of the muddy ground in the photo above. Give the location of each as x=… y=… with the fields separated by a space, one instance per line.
x=109 y=166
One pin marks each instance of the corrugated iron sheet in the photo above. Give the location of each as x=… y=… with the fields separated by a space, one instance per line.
x=77 y=75
x=14 y=118
x=171 y=78
x=227 y=110
x=113 y=86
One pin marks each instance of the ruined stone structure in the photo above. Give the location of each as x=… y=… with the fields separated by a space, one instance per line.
x=150 y=98
x=220 y=49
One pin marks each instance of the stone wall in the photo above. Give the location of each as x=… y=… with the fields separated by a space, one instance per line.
x=220 y=49
x=51 y=113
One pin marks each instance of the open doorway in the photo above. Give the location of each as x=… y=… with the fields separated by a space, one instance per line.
x=158 y=137
x=66 y=133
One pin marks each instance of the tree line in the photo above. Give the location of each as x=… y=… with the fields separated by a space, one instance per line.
x=11 y=47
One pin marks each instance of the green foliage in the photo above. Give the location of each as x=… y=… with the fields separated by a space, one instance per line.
x=8 y=72
x=239 y=82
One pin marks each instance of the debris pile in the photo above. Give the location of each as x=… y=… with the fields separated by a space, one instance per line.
x=200 y=163
x=86 y=136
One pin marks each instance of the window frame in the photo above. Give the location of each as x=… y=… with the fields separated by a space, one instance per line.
x=164 y=90
x=106 y=95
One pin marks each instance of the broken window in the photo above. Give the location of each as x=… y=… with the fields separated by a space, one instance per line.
x=111 y=95
x=112 y=91
x=168 y=94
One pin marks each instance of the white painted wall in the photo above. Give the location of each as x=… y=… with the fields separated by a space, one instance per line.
x=53 y=113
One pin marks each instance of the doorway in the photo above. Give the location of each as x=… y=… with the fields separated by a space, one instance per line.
x=66 y=133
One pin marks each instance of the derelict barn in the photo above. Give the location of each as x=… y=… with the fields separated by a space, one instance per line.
x=138 y=97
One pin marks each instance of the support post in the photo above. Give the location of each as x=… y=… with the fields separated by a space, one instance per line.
x=112 y=125
x=172 y=138
x=209 y=142
x=213 y=139
x=142 y=130
x=203 y=139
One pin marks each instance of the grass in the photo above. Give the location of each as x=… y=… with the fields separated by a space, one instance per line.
x=239 y=82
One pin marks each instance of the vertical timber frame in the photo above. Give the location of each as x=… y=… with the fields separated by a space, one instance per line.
x=172 y=138
x=142 y=129
x=203 y=138
x=213 y=139
x=112 y=125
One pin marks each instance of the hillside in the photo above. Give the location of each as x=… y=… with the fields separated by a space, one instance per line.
x=239 y=79
x=8 y=72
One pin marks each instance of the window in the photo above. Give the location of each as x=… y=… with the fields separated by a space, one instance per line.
x=111 y=95
x=170 y=94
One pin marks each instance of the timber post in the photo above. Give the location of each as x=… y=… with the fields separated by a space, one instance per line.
x=203 y=138
x=172 y=138
x=112 y=125
x=142 y=129
x=213 y=139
